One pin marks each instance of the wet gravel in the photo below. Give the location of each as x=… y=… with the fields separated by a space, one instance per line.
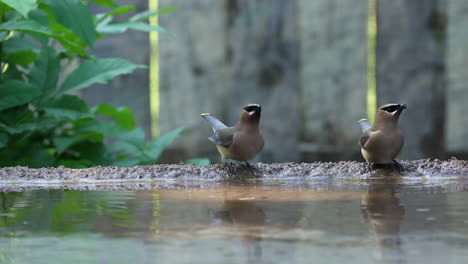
x=142 y=177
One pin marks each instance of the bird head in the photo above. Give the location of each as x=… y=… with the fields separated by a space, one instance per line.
x=389 y=113
x=251 y=112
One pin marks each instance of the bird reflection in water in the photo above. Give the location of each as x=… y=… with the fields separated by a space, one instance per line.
x=248 y=219
x=381 y=207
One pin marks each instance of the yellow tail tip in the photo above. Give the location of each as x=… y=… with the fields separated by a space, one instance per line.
x=362 y=119
x=204 y=114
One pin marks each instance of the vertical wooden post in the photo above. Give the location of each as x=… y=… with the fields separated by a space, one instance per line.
x=262 y=53
x=410 y=69
x=333 y=73
x=154 y=71
x=192 y=72
x=457 y=78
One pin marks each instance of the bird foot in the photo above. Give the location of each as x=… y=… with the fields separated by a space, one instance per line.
x=230 y=168
x=397 y=166
x=250 y=168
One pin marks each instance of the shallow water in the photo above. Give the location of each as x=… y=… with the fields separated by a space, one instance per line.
x=268 y=222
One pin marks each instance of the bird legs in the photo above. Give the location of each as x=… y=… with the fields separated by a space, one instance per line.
x=398 y=166
x=229 y=168
x=370 y=167
x=250 y=168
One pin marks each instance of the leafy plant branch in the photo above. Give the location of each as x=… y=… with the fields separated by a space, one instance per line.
x=41 y=123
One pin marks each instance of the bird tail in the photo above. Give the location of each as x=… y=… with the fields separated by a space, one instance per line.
x=215 y=123
x=365 y=124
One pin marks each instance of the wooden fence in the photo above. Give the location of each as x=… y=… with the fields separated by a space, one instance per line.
x=306 y=63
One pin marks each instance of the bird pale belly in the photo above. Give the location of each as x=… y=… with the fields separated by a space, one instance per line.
x=223 y=151
x=373 y=159
x=244 y=154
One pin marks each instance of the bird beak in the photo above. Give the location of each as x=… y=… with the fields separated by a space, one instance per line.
x=399 y=109
x=257 y=110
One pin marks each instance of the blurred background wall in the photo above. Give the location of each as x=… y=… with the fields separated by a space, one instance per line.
x=315 y=66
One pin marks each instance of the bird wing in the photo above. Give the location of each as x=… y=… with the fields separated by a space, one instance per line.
x=223 y=137
x=364 y=138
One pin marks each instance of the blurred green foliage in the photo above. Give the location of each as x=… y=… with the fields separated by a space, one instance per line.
x=198 y=161
x=66 y=212
x=44 y=52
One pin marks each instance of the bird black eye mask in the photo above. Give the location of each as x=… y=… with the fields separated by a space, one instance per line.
x=391 y=108
x=250 y=108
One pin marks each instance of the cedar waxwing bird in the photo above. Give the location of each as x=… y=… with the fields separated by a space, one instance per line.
x=240 y=142
x=381 y=143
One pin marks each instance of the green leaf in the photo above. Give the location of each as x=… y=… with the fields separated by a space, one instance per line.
x=105 y=3
x=131 y=149
x=34 y=155
x=106 y=18
x=121 y=10
x=3 y=139
x=157 y=146
x=4 y=35
x=14 y=93
x=116 y=28
x=75 y=16
x=29 y=26
x=130 y=142
x=135 y=150
x=62 y=143
x=37 y=158
x=68 y=107
x=97 y=71
x=21 y=128
x=46 y=70
x=116 y=11
x=72 y=42
x=127 y=162
x=11 y=116
x=121 y=115
x=23 y=58
x=198 y=161
x=39 y=16
x=102 y=20
x=94 y=152
x=11 y=73
x=41 y=123
x=150 y=13
x=22 y=6
x=5 y=12
x=15 y=44
x=108 y=129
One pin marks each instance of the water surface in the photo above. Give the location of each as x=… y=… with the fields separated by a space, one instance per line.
x=263 y=222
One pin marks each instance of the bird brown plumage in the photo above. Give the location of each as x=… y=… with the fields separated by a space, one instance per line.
x=382 y=143
x=241 y=142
